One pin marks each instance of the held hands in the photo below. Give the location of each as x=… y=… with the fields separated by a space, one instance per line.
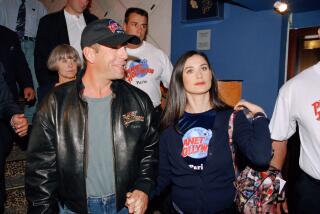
x=137 y=202
x=29 y=94
x=250 y=106
x=20 y=124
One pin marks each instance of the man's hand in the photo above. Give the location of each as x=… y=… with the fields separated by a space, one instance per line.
x=137 y=202
x=29 y=93
x=20 y=124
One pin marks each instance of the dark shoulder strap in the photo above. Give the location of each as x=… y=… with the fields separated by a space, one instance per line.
x=230 y=141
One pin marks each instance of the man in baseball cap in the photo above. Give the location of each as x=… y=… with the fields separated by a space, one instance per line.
x=94 y=143
x=106 y=32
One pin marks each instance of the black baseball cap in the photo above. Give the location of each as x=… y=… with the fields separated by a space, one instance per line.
x=106 y=32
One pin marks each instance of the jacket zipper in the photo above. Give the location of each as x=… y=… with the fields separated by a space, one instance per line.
x=114 y=149
x=85 y=147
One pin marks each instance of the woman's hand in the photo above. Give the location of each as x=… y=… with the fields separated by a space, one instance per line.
x=282 y=207
x=137 y=202
x=242 y=104
x=20 y=124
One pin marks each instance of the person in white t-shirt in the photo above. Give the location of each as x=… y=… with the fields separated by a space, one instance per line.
x=147 y=65
x=298 y=103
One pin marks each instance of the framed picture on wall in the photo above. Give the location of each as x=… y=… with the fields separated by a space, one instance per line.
x=201 y=10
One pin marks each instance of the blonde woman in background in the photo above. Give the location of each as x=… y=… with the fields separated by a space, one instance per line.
x=66 y=61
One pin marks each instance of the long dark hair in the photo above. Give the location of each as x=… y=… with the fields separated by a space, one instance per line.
x=176 y=100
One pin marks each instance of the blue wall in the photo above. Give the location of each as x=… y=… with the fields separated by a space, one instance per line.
x=306 y=19
x=245 y=45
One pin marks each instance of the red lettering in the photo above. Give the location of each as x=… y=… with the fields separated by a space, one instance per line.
x=187 y=141
x=134 y=71
x=184 y=152
x=195 y=148
x=195 y=141
x=316 y=108
x=191 y=148
x=200 y=139
x=204 y=148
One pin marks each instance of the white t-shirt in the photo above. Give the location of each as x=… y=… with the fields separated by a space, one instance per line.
x=34 y=12
x=75 y=26
x=299 y=102
x=146 y=67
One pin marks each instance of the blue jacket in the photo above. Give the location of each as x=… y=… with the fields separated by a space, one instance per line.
x=212 y=190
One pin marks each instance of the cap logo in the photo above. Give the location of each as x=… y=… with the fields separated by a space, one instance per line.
x=114 y=27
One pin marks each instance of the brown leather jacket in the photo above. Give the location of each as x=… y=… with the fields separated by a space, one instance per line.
x=56 y=159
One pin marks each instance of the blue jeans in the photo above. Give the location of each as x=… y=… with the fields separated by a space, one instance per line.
x=28 y=50
x=99 y=205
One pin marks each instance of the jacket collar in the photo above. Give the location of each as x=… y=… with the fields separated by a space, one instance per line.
x=80 y=86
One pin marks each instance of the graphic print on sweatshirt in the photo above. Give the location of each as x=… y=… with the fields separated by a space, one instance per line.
x=137 y=71
x=316 y=109
x=197 y=134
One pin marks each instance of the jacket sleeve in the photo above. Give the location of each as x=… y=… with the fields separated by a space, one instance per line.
x=41 y=182
x=253 y=139
x=22 y=70
x=8 y=107
x=41 y=52
x=149 y=159
x=164 y=177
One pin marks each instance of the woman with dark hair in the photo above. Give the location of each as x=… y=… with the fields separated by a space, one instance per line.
x=195 y=158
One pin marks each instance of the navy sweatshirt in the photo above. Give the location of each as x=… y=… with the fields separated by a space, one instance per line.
x=211 y=190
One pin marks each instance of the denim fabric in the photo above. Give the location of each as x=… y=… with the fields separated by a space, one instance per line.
x=99 y=205
x=64 y=210
x=28 y=50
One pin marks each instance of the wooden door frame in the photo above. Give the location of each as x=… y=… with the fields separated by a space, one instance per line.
x=294 y=36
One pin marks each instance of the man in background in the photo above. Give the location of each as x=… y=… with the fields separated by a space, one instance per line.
x=22 y=17
x=15 y=64
x=12 y=120
x=15 y=72
x=298 y=103
x=62 y=27
x=146 y=68
x=147 y=65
